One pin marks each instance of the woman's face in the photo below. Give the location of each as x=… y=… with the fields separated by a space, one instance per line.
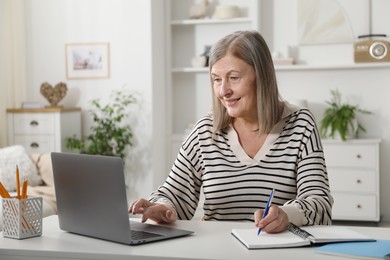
x=234 y=84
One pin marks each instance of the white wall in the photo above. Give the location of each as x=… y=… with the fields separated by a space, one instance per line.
x=126 y=25
x=367 y=87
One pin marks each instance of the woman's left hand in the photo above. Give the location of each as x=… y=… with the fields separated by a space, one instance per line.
x=276 y=220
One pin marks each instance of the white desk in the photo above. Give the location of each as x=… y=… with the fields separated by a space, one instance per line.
x=212 y=240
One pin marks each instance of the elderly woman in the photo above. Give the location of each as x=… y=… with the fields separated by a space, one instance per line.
x=251 y=143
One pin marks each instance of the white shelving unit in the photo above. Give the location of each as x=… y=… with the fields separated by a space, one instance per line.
x=188 y=88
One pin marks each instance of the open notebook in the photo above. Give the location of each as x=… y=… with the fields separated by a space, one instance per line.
x=298 y=236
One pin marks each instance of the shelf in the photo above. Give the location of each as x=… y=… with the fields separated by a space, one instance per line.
x=211 y=21
x=43 y=110
x=191 y=69
x=351 y=141
x=332 y=66
x=299 y=67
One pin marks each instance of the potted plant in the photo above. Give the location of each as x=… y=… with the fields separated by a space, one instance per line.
x=340 y=119
x=110 y=135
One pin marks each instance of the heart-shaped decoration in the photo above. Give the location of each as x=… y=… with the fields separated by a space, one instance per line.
x=54 y=95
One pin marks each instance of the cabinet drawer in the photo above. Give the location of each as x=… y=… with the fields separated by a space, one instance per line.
x=351 y=155
x=352 y=180
x=354 y=207
x=33 y=123
x=36 y=143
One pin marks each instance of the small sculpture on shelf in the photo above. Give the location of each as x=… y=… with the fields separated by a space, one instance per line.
x=199 y=11
x=203 y=59
x=54 y=94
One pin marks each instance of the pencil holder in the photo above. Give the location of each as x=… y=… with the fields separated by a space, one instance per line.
x=22 y=218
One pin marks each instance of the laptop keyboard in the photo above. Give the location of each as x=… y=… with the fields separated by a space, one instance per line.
x=137 y=235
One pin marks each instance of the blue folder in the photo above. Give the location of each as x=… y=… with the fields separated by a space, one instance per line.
x=377 y=249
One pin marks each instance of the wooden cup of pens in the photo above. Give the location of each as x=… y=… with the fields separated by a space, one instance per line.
x=22 y=214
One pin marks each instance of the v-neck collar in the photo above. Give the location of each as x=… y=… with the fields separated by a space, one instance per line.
x=240 y=153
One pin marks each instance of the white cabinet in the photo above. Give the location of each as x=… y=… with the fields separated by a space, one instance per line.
x=43 y=130
x=353 y=170
x=188 y=88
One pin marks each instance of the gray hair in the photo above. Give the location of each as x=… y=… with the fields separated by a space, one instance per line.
x=250 y=47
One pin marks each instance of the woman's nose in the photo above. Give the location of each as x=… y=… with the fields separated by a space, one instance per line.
x=225 y=89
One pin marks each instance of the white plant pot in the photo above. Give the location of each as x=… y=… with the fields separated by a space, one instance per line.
x=352 y=133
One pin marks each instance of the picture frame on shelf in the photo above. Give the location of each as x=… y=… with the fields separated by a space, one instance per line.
x=87 y=60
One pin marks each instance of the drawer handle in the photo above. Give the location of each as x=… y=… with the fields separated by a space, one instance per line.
x=358 y=156
x=34 y=145
x=34 y=123
x=358 y=181
x=359 y=206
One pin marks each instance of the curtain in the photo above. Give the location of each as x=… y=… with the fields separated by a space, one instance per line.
x=13 y=82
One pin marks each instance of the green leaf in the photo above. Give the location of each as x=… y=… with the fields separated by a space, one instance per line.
x=340 y=118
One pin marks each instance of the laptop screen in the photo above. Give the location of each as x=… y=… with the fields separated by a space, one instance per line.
x=91 y=195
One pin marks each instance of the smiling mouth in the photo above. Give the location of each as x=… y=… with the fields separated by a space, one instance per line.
x=231 y=101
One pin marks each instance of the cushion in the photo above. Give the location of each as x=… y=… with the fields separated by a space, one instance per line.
x=45 y=170
x=44 y=166
x=13 y=156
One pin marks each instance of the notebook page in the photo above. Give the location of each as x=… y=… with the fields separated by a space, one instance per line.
x=327 y=234
x=251 y=240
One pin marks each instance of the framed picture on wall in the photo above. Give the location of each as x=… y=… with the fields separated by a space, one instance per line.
x=87 y=60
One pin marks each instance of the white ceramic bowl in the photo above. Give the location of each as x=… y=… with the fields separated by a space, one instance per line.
x=226 y=11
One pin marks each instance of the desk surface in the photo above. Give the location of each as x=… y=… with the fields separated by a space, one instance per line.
x=212 y=240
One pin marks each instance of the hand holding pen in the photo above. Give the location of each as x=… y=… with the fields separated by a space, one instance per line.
x=273 y=219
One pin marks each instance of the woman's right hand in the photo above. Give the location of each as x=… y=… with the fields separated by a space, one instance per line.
x=276 y=220
x=160 y=213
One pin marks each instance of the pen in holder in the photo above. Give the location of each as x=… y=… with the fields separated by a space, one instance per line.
x=22 y=218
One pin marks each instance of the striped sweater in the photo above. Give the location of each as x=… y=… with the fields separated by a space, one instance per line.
x=235 y=185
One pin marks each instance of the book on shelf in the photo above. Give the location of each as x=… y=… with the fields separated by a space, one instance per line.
x=296 y=236
x=379 y=249
x=28 y=105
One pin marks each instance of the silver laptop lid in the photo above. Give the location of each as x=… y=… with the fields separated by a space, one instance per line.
x=91 y=196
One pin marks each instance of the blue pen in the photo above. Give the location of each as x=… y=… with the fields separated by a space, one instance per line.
x=267 y=207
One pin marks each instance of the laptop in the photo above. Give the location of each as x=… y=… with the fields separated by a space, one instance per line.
x=92 y=201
